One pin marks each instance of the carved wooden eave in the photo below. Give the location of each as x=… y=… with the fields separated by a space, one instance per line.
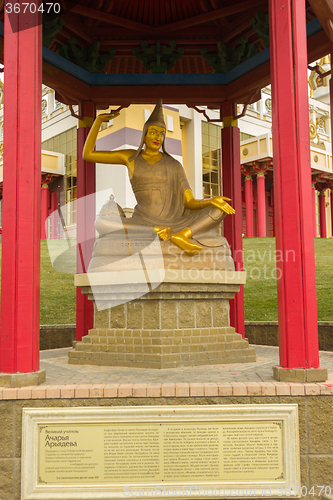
x=324 y=12
x=124 y=25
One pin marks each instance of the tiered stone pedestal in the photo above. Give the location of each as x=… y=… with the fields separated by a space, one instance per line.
x=184 y=321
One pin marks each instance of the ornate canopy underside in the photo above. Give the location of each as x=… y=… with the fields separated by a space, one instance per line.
x=196 y=52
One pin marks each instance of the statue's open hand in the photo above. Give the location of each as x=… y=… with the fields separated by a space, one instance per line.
x=163 y=232
x=105 y=117
x=221 y=203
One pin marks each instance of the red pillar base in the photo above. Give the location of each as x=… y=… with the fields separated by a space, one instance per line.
x=300 y=374
x=22 y=379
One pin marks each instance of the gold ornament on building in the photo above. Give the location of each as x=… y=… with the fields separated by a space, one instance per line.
x=44 y=106
x=268 y=104
x=315 y=81
x=321 y=125
x=313 y=130
x=1 y=92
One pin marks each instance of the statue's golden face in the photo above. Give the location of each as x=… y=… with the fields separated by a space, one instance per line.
x=154 y=137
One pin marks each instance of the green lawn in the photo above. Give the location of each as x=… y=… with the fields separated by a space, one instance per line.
x=58 y=292
x=260 y=289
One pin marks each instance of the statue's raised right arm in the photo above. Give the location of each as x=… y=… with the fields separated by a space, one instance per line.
x=112 y=157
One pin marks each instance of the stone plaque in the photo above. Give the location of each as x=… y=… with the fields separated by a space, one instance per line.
x=160 y=451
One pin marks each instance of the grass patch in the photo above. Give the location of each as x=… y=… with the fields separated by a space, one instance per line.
x=260 y=296
x=58 y=302
x=260 y=290
x=324 y=278
x=57 y=291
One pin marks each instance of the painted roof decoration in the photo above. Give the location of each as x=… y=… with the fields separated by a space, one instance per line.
x=93 y=45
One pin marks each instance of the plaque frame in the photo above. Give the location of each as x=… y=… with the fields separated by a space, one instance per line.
x=33 y=418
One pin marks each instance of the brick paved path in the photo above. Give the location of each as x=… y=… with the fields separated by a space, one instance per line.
x=58 y=372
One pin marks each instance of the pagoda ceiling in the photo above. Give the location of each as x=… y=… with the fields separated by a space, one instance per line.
x=187 y=51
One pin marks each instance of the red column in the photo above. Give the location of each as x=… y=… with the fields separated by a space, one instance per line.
x=322 y=213
x=272 y=197
x=249 y=206
x=261 y=204
x=19 y=340
x=232 y=225
x=54 y=219
x=297 y=304
x=44 y=211
x=331 y=203
x=331 y=108
x=330 y=185
x=314 y=194
x=86 y=188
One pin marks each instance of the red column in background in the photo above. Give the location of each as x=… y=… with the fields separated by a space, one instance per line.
x=86 y=188
x=297 y=304
x=331 y=203
x=232 y=188
x=20 y=275
x=44 y=211
x=322 y=214
x=330 y=185
x=54 y=219
x=314 y=194
x=249 y=206
x=272 y=198
x=331 y=108
x=261 y=204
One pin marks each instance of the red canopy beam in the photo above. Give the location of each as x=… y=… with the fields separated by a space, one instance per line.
x=199 y=95
x=197 y=32
x=211 y=16
x=76 y=27
x=110 y=18
x=324 y=11
x=66 y=84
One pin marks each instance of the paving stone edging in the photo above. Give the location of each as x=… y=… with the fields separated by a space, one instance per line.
x=170 y=390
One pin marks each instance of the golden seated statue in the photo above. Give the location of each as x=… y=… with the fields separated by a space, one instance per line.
x=165 y=204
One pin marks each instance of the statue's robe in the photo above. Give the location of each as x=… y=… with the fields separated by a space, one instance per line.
x=159 y=189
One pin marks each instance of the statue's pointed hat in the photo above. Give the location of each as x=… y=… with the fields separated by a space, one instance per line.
x=156 y=118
